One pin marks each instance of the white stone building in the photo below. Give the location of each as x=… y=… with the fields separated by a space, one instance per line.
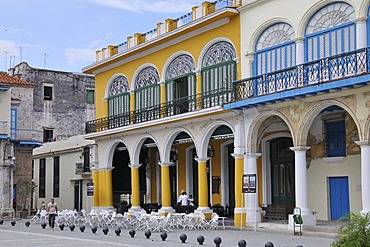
x=62 y=170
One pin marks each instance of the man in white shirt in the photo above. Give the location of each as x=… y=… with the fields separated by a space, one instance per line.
x=52 y=210
x=183 y=201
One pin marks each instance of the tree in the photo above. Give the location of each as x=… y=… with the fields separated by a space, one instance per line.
x=25 y=192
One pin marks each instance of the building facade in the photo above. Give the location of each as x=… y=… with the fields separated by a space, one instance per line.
x=270 y=98
x=305 y=101
x=64 y=173
x=14 y=94
x=160 y=126
x=54 y=109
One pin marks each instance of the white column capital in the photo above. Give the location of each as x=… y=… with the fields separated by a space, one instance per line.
x=165 y=164
x=237 y=155
x=253 y=155
x=361 y=19
x=197 y=71
x=201 y=159
x=300 y=148
x=363 y=143
x=94 y=169
x=299 y=39
x=134 y=166
x=162 y=83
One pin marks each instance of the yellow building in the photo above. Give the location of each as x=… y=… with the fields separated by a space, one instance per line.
x=160 y=125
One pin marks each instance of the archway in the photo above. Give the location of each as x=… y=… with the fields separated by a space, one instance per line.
x=121 y=177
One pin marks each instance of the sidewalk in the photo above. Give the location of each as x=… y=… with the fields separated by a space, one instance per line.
x=34 y=235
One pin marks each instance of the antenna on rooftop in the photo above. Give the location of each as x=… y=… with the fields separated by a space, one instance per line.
x=45 y=56
x=6 y=58
x=20 y=54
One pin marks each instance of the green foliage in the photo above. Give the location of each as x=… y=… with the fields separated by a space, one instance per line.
x=355 y=232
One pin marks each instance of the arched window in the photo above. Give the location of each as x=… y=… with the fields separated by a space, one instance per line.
x=180 y=83
x=275 y=49
x=330 y=31
x=119 y=96
x=218 y=67
x=147 y=92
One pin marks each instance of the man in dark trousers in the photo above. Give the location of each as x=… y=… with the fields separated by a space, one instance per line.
x=53 y=211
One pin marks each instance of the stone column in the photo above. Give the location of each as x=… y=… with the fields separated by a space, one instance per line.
x=365 y=171
x=6 y=177
x=7 y=173
x=253 y=209
x=166 y=188
x=203 y=188
x=301 y=187
x=135 y=187
x=239 y=211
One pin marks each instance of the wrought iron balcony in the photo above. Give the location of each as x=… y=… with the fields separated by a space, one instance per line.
x=338 y=67
x=81 y=169
x=192 y=103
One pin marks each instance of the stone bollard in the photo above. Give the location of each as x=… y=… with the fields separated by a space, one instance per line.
x=118 y=231
x=147 y=233
x=105 y=230
x=72 y=227
x=269 y=244
x=43 y=225
x=61 y=226
x=242 y=243
x=12 y=223
x=217 y=241
x=94 y=229
x=163 y=236
x=132 y=233
x=183 y=238
x=200 y=239
x=82 y=228
x=27 y=224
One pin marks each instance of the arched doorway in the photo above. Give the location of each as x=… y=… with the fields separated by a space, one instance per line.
x=121 y=176
x=282 y=173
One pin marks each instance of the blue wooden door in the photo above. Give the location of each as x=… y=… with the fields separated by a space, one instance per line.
x=339 y=197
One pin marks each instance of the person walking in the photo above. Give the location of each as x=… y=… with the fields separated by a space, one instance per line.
x=184 y=202
x=52 y=211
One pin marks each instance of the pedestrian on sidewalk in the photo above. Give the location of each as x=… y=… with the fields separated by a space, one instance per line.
x=52 y=211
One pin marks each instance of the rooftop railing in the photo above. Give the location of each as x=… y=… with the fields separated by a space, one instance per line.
x=162 y=28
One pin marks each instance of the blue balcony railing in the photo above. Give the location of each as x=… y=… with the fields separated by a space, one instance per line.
x=191 y=103
x=316 y=72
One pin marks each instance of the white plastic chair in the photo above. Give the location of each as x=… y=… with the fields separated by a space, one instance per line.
x=43 y=216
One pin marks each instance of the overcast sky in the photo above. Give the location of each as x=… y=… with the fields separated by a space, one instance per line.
x=64 y=34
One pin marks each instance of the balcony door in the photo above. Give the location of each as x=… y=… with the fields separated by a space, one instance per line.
x=181 y=95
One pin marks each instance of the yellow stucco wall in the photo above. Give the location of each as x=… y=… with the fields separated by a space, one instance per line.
x=158 y=59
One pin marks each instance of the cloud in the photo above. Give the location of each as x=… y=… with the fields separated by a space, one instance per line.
x=158 y=6
x=77 y=56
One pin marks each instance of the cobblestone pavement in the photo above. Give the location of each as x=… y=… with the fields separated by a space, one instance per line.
x=34 y=235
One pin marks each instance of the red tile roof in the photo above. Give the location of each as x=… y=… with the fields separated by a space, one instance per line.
x=12 y=80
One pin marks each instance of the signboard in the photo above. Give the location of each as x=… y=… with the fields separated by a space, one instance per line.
x=90 y=189
x=249 y=183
